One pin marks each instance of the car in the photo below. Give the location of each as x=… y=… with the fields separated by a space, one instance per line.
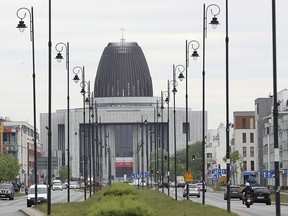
x=235 y=192
x=261 y=195
x=41 y=194
x=74 y=185
x=16 y=187
x=194 y=190
x=7 y=191
x=200 y=185
x=57 y=186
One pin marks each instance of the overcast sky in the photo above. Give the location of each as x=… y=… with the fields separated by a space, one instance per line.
x=160 y=27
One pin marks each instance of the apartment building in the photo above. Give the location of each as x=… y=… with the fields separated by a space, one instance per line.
x=246 y=144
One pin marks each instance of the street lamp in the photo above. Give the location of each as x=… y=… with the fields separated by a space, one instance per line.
x=88 y=100
x=214 y=22
x=275 y=112
x=83 y=83
x=181 y=76
x=167 y=99
x=59 y=48
x=21 y=26
x=143 y=122
x=180 y=68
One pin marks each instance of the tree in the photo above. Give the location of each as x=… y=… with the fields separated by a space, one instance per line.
x=194 y=165
x=236 y=160
x=63 y=173
x=9 y=167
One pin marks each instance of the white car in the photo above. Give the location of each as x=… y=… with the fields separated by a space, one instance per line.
x=41 y=194
x=57 y=186
x=74 y=185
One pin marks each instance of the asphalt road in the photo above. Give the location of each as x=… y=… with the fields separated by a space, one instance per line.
x=217 y=199
x=11 y=207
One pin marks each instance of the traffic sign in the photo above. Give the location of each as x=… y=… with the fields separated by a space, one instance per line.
x=188 y=178
x=269 y=174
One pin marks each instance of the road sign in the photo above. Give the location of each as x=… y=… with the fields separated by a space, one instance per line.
x=188 y=178
x=42 y=162
x=269 y=174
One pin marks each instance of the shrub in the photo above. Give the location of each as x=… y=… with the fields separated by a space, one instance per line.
x=127 y=205
x=120 y=189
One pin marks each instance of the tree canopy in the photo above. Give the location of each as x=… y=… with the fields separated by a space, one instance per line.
x=9 y=167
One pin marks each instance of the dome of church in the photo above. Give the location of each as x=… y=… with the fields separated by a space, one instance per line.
x=123 y=72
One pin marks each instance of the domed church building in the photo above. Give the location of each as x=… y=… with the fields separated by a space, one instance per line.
x=125 y=126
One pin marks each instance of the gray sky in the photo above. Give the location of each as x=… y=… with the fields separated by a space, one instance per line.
x=160 y=27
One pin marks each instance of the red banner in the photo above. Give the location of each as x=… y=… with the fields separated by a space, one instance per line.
x=124 y=164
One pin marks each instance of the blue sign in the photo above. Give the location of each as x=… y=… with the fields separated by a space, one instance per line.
x=217 y=173
x=269 y=174
x=139 y=175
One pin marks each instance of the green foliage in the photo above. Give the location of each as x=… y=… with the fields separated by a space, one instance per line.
x=9 y=167
x=120 y=189
x=120 y=206
x=195 y=166
x=121 y=200
x=63 y=173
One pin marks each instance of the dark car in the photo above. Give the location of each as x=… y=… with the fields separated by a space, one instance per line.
x=16 y=187
x=235 y=192
x=261 y=195
x=7 y=191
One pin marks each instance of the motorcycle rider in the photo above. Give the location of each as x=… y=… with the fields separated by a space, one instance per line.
x=247 y=191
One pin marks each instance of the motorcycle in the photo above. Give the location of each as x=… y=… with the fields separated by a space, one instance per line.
x=248 y=201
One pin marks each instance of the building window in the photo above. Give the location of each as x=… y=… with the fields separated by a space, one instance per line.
x=244 y=152
x=252 y=166
x=244 y=165
x=243 y=137
x=243 y=123
x=251 y=137
x=251 y=151
x=209 y=155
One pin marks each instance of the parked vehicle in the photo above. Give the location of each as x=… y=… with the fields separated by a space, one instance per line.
x=200 y=185
x=57 y=186
x=235 y=192
x=7 y=191
x=41 y=194
x=194 y=190
x=262 y=195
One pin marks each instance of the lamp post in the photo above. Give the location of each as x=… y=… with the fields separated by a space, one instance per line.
x=49 y=112
x=214 y=22
x=59 y=48
x=275 y=112
x=181 y=76
x=180 y=68
x=21 y=26
x=143 y=122
x=167 y=99
x=162 y=143
x=83 y=83
x=88 y=100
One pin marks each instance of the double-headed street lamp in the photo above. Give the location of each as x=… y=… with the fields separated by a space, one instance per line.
x=59 y=48
x=21 y=26
x=214 y=22
x=76 y=71
x=181 y=77
x=179 y=68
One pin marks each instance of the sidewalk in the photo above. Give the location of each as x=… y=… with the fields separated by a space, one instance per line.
x=31 y=212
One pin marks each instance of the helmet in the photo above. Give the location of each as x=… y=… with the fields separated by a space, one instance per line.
x=247 y=184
